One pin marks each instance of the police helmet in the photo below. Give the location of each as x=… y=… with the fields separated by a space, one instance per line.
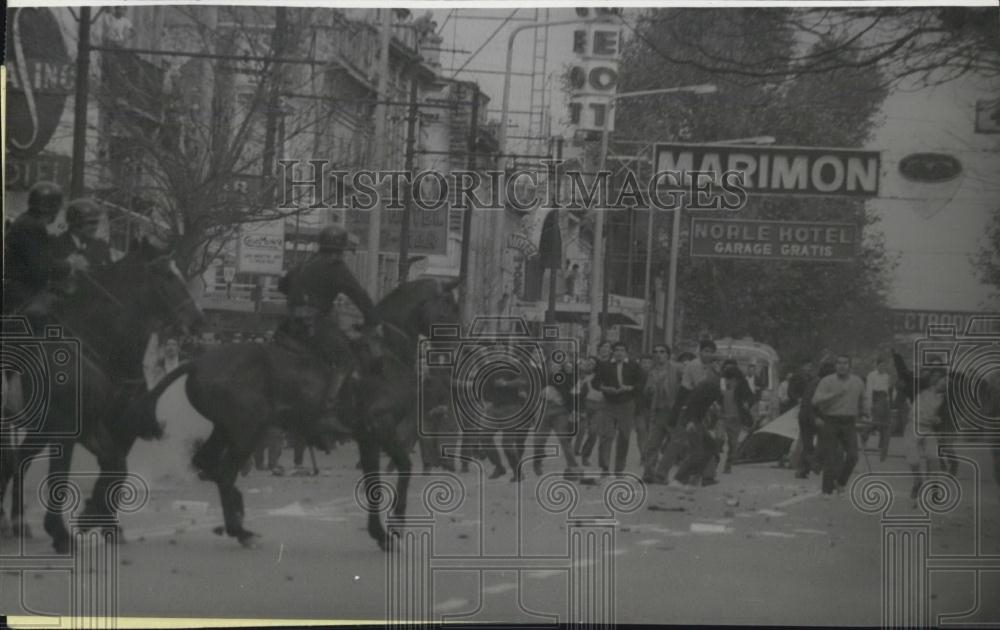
x=83 y=211
x=45 y=197
x=334 y=238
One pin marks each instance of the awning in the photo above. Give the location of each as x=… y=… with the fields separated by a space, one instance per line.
x=528 y=236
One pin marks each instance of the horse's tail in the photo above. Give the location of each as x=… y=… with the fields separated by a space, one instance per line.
x=142 y=412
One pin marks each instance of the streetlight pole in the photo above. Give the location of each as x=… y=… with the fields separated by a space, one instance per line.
x=80 y=104
x=381 y=153
x=498 y=241
x=597 y=266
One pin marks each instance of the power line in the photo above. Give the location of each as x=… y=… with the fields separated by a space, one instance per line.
x=484 y=44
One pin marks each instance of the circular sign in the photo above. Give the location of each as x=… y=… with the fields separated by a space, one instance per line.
x=41 y=76
x=930 y=168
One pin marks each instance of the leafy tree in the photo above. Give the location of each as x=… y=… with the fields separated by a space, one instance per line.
x=799 y=307
x=929 y=45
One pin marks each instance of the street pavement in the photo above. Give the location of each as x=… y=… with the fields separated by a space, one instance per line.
x=761 y=547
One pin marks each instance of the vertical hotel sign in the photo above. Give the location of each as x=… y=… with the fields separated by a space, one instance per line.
x=40 y=77
x=593 y=78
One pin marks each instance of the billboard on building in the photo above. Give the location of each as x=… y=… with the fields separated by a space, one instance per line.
x=779 y=170
x=261 y=248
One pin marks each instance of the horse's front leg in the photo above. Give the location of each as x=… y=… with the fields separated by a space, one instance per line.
x=399 y=454
x=59 y=466
x=101 y=509
x=231 y=498
x=232 y=503
x=369 y=450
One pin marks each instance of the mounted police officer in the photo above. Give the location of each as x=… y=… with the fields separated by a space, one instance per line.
x=83 y=216
x=30 y=260
x=312 y=289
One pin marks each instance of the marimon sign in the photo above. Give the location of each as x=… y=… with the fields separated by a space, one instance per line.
x=779 y=170
x=773 y=240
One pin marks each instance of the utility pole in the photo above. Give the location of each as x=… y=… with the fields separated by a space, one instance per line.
x=647 y=329
x=381 y=152
x=631 y=252
x=550 y=314
x=465 y=303
x=404 y=229
x=80 y=104
x=273 y=105
x=597 y=266
x=675 y=246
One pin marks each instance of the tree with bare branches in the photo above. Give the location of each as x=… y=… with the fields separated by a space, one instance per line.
x=192 y=130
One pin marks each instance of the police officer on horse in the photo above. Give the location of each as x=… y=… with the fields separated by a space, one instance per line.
x=312 y=289
x=83 y=216
x=30 y=258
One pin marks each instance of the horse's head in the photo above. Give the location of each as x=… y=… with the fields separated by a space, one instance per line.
x=415 y=306
x=439 y=307
x=160 y=292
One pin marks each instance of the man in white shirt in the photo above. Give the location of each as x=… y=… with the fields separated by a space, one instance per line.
x=700 y=368
x=840 y=400
x=159 y=361
x=878 y=390
x=118 y=29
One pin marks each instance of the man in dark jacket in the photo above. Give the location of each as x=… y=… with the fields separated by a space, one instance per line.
x=736 y=402
x=506 y=395
x=312 y=289
x=83 y=216
x=700 y=449
x=799 y=382
x=619 y=380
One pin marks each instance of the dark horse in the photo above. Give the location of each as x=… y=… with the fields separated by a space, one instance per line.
x=108 y=318
x=245 y=388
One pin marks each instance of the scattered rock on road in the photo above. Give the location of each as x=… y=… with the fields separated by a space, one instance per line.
x=663 y=508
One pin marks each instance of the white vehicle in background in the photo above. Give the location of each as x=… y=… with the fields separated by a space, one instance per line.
x=748 y=352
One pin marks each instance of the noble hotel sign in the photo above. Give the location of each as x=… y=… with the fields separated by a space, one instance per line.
x=773 y=240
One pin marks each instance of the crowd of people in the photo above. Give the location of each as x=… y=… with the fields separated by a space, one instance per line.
x=686 y=413
x=690 y=414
